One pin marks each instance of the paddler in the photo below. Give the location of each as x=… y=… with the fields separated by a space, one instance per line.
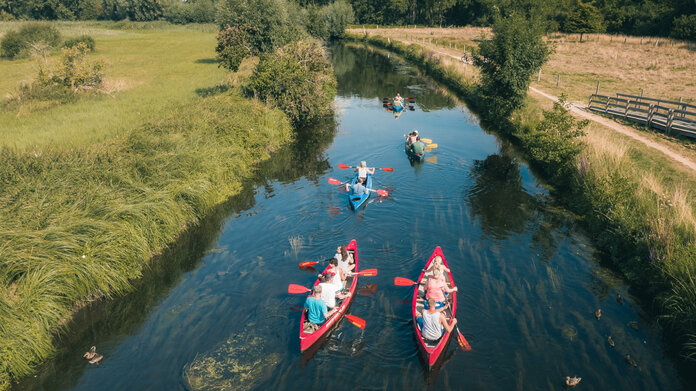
x=411 y=138
x=329 y=291
x=418 y=147
x=345 y=259
x=363 y=170
x=436 y=287
x=317 y=311
x=358 y=188
x=433 y=323
x=398 y=99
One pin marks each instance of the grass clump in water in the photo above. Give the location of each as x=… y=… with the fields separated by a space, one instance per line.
x=81 y=223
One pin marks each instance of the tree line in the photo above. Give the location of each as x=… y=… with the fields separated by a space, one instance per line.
x=676 y=18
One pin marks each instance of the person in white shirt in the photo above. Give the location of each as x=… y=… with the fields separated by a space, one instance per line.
x=345 y=260
x=329 y=291
x=363 y=170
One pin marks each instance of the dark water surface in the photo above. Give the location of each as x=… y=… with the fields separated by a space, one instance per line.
x=529 y=281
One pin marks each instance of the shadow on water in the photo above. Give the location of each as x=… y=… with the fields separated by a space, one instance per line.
x=107 y=321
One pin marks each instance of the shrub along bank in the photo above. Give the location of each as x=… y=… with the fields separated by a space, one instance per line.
x=644 y=224
x=81 y=223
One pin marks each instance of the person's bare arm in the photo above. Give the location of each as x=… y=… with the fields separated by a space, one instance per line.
x=448 y=326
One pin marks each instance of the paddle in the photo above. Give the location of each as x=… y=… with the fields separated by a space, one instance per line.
x=426 y=140
x=431 y=146
x=294 y=288
x=432 y=159
x=311 y=263
x=344 y=166
x=401 y=281
x=383 y=193
x=367 y=272
x=461 y=340
x=355 y=321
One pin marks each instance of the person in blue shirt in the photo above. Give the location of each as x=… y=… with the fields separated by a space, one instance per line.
x=317 y=312
x=358 y=188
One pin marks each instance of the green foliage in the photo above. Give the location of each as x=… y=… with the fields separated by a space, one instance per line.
x=507 y=63
x=17 y=44
x=82 y=222
x=584 y=18
x=73 y=71
x=87 y=40
x=298 y=79
x=315 y=23
x=195 y=11
x=337 y=15
x=144 y=10
x=553 y=144
x=232 y=46
x=684 y=27
x=273 y=21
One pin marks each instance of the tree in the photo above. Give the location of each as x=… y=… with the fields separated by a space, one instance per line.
x=684 y=27
x=508 y=61
x=337 y=16
x=298 y=79
x=232 y=46
x=584 y=18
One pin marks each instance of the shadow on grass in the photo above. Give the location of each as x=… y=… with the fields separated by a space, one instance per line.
x=206 y=61
x=210 y=91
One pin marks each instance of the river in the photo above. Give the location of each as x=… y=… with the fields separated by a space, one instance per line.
x=214 y=309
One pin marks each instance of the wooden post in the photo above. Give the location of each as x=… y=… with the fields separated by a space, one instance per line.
x=657 y=42
x=641 y=40
x=624 y=39
x=641 y=92
x=597 y=89
x=539 y=75
x=558 y=80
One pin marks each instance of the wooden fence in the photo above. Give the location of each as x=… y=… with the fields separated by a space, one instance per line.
x=665 y=115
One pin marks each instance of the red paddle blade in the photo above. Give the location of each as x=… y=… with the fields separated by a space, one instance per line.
x=388 y=169
x=357 y=322
x=368 y=272
x=343 y=166
x=401 y=281
x=294 y=288
x=388 y=104
x=463 y=342
x=308 y=263
x=383 y=193
x=334 y=181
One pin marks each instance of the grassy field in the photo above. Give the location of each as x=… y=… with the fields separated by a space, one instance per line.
x=635 y=201
x=91 y=191
x=661 y=67
x=150 y=68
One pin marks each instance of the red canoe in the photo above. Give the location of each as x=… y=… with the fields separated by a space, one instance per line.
x=431 y=353
x=309 y=339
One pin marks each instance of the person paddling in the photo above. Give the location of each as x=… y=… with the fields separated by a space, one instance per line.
x=358 y=188
x=436 y=287
x=329 y=291
x=411 y=138
x=433 y=323
x=317 y=312
x=418 y=147
x=398 y=99
x=345 y=259
x=363 y=170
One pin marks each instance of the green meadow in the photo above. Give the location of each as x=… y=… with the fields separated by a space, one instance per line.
x=91 y=190
x=150 y=68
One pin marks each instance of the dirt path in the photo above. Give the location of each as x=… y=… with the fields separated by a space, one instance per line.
x=581 y=111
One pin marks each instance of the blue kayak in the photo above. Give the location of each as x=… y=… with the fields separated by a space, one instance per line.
x=357 y=200
x=397 y=107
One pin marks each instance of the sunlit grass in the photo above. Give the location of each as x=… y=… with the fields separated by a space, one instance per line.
x=148 y=71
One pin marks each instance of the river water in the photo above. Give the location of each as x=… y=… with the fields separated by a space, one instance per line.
x=214 y=310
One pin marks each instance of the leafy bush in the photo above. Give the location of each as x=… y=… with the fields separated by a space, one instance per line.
x=298 y=79
x=275 y=22
x=16 y=44
x=684 y=27
x=508 y=61
x=73 y=71
x=232 y=46
x=144 y=10
x=337 y=15
x=584 y=18
x=85 y=39
x=553 y=143
x=315 y=23
x=193 y=11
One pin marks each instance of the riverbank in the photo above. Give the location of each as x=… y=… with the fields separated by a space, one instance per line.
x=83 y=213
x=633 y=201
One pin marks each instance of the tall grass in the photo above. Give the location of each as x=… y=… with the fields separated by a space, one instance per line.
x=81 y=222
x=635 y=202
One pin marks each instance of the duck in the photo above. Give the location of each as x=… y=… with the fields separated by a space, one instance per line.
x=610 y=341
x=598 y=313
x=92 y=355
x=572 y=381
x=619 y=299
x=631 y=361
x=633 y=324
